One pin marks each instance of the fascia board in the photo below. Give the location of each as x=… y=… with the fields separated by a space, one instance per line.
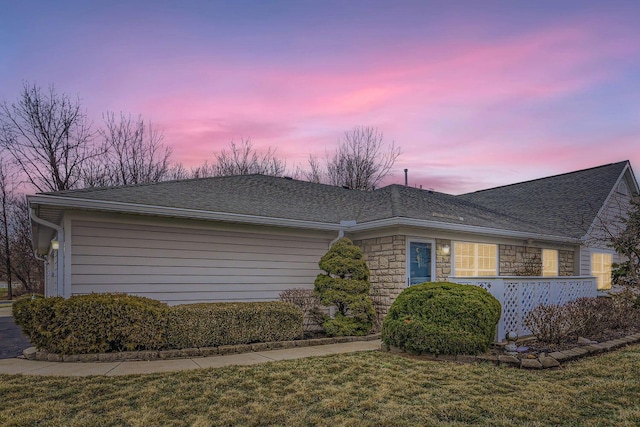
x=110 y=206
x=389 y=222
x=612 y=193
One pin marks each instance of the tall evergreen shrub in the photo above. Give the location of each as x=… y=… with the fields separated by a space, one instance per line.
x=345 y=285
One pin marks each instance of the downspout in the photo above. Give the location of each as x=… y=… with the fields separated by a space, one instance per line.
x=60 y=231
x=343 y=225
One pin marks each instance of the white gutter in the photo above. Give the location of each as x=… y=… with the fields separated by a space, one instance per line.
x=447 y=226
x=343 y=226
x=60 y=231
x=67 y=202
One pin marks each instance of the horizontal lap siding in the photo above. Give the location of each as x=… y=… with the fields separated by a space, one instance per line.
x=182 y=265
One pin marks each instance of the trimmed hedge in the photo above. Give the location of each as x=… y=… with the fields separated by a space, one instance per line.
x=442 y=318
x=95 y=323
x=212 y=325
x=100 y=323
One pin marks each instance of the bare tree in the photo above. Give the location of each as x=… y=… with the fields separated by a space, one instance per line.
x=315 y=172
x=242 y=159
x=361 y=161
x=6 y=200
x=26 y=268
x=134 y=154
x=48 y=136
x=627 y=243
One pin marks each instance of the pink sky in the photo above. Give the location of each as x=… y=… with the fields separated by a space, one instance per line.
x=475 y=97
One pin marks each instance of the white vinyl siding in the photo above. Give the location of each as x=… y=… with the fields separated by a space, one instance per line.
x=549 y=262
x=475 y=259
x=51 y=275
x=181 y=265
x=601 y=269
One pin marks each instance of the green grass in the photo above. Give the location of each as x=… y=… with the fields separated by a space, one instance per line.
x=373 y=388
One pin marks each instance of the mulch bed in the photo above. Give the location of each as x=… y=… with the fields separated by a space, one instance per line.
x=532 y=347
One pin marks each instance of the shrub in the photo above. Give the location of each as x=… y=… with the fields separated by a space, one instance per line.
x=586 y=317
x=210 y=325
x=308 y=302
x=36 y=316
x=94 y=323
x=346 y=286
x=442 y=318
x=99 y=323
x=549 y=323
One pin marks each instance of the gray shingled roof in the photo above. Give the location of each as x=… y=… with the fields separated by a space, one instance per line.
x=559 y=205
x=565 y=204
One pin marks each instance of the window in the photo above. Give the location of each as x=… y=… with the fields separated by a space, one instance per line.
x=601 y=269
x=549 y=262
x=475 y=259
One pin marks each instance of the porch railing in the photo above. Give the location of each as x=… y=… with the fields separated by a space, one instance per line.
x=519 y=295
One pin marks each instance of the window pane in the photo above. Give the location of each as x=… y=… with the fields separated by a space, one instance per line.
x=601 y=269
x=549 y=262
x=474 y=259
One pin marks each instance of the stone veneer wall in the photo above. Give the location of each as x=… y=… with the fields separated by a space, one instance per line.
x=566 y=263
x=443 y=261
x=514 y=259
x=385 y=257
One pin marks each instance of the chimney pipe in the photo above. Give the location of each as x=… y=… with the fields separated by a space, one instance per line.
x=406 y=177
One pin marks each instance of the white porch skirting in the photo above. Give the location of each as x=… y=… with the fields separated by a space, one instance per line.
x=518 y=295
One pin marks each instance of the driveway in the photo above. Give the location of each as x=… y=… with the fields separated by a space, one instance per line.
x=12 y=341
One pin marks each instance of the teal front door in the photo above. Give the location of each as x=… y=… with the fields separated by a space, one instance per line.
x=419 y=263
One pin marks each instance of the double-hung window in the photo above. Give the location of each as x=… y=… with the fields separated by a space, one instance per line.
x=550 y=262
x=475 y=259
x=601 y=269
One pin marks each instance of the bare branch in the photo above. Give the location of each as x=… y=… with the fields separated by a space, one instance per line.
x=48 y=136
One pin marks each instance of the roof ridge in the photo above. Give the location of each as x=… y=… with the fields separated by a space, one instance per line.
x=544 y=178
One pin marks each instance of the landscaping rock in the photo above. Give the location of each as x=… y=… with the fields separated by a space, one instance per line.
x=260 y=346
x=88 y=357
x=585 y=341
x=548 y=362
x=530 y=364
x=211 y=351
x=464 y=358
x=559 y=355
x=227 y=349
x=594 y=348
x=29 y=353
x=70 y=357
x=509 y=360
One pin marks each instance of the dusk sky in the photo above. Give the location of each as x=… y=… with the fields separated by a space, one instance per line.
x=476 y=93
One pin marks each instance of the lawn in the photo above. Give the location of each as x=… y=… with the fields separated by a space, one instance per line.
x=370 y=388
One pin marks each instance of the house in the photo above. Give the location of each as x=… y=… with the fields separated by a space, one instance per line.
x=247 y=238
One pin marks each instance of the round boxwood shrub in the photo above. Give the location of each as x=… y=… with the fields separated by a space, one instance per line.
x=442 y=318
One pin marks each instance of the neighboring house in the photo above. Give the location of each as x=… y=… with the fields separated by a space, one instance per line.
x=247 y=238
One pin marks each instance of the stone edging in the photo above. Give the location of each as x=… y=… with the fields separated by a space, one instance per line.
x=33 y=354
x=543 y=361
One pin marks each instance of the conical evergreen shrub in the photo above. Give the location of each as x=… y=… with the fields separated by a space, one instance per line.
x=345 y=285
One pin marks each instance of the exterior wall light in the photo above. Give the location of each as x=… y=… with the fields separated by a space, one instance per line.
x=55 y=245
x=446 y=249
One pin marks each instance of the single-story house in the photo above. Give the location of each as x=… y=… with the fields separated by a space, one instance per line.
x=248 y=238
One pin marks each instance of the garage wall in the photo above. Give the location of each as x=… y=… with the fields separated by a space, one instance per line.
x=190 y=264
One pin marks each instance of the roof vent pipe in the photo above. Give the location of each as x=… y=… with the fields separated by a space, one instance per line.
x=406 y=177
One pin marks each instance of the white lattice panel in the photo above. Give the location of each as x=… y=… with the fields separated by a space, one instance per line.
x=518 y=296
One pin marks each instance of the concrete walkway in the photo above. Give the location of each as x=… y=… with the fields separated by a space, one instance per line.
x=33 y=367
